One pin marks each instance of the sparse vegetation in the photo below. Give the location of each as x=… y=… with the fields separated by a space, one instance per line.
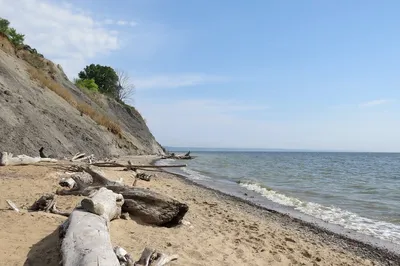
x=86 y=81
x=33 y=59
x=100 y=119
x=90 y=88
x=15 y=38
x=46 y=82
x=116 y=84
x=125 y=87
x=84 y=108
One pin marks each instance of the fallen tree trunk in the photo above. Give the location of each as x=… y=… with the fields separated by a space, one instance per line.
x=85 y=238
x=148 y=206
x=104 y=203
x=151 y=207
x=8 y=159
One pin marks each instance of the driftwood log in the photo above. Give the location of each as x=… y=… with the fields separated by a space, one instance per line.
x=185 y=156
x=8 y=159
x=149 y=257
x=142 y=176
x=47 y=203
x=137 y=174
x=85 y=238
x=151 y=207
x=148 y=206
x=104 y=203
x=81 y=157
x=114 y=164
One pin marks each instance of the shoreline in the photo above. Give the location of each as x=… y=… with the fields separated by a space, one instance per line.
x=218 y=229
x=362 y=244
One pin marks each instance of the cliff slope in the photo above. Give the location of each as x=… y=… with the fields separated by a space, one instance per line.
x=39 y=106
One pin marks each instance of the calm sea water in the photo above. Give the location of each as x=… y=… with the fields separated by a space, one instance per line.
x=359 y=191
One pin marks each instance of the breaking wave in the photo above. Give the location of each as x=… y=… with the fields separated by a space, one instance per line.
x=331 y=214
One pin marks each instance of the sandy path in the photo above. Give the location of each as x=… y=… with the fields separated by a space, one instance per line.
x=222 y=231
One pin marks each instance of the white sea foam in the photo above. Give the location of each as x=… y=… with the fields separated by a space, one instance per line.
x=332 y=214
x=189 y=173
x=193 y=174
x=165 y=161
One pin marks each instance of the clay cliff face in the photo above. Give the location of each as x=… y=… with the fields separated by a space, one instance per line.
x=34 y=116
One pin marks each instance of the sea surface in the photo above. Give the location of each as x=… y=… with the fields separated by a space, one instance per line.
x=358 y=191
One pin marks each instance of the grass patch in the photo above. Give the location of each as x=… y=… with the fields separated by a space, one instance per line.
x=46 y=82
x=100 y=119
x=33 y=59
x=82 y=107
x=94 y=96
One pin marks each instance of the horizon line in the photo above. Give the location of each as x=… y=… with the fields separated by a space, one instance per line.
x=272 y=149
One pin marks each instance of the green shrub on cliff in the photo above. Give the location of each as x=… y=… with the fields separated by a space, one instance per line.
x=88 y=84
x=4 y=23
x=15 y=38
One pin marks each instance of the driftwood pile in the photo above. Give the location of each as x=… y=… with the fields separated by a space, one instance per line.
x=172 y=155
x=84 y=236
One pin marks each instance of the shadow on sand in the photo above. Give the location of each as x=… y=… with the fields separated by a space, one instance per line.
x=45 y=252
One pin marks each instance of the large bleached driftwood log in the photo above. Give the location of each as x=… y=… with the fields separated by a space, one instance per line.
x=8 y=159
x=85 y=238
x=148 y=206
x=151 y=207
x=104 y=203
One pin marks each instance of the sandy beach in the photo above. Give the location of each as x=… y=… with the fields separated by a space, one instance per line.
x=220 y=229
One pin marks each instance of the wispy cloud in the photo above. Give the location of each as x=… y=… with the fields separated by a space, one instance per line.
x=108 y=22
x=375 y=102
x=220 y=106
x=121 y=22
x=176 y=81
x=62 y=32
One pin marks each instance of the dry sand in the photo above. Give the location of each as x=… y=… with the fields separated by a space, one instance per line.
x=222 y=231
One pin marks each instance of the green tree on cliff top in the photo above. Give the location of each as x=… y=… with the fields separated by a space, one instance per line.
x=104 y=76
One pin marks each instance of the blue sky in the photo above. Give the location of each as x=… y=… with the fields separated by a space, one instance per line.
x=251 y=74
